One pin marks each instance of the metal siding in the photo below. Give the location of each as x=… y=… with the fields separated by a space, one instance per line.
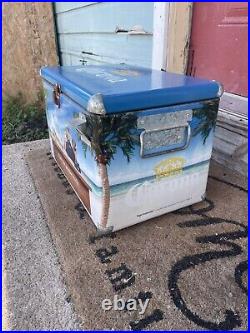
x=108 y=49
x=87 y=31
x=67 y=6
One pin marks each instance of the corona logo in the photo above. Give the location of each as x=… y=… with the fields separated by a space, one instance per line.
x=169 y=167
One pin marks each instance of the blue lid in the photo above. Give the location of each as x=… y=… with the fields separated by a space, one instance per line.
x=119 y=88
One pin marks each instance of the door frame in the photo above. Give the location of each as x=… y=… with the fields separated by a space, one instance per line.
x=171 y=35
x=160 y=32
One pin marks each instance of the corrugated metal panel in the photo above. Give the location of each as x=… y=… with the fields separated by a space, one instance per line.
x=109 y=32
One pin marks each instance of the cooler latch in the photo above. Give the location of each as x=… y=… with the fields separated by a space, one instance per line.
x=56 y=94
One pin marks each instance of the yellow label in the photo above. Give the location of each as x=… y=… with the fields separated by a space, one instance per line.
x=169 y=167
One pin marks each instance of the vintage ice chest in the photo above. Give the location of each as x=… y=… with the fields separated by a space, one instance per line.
x=134 y=143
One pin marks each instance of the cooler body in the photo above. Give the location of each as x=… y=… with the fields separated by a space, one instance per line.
x=128 y=167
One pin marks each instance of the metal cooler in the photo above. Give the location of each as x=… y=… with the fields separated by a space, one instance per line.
x=134 y=143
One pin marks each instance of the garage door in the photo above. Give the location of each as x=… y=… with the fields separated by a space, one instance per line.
x=105 y=32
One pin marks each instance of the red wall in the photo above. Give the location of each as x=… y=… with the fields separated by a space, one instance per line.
x=219 y=44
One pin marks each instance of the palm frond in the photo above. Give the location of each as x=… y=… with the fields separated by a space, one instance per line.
x=207 y=116
x=108 y=133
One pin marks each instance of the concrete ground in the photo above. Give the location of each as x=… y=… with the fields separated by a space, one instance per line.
x=34 y=290
x=190 y=264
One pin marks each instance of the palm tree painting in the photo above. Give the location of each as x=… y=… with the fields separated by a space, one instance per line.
x=207 y=119
x=103 y=136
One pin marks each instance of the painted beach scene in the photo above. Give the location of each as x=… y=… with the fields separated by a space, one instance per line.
x=130 y=167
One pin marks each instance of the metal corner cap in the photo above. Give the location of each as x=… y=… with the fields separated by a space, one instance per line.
x=221 y=88
x=105 y=231
x=95 y=105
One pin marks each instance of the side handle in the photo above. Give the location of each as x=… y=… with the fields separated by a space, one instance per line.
x=143 y=154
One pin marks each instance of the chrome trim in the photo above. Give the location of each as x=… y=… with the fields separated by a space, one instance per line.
x=221 y=88
x=188 y=137
x=95 y=105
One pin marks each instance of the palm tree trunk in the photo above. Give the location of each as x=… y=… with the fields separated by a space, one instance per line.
x=105 y=194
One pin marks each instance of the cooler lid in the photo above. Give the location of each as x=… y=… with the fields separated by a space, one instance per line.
x=120 y=88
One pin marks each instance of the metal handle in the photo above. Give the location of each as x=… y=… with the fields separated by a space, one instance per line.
x=83 y=137
x=188 y=136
